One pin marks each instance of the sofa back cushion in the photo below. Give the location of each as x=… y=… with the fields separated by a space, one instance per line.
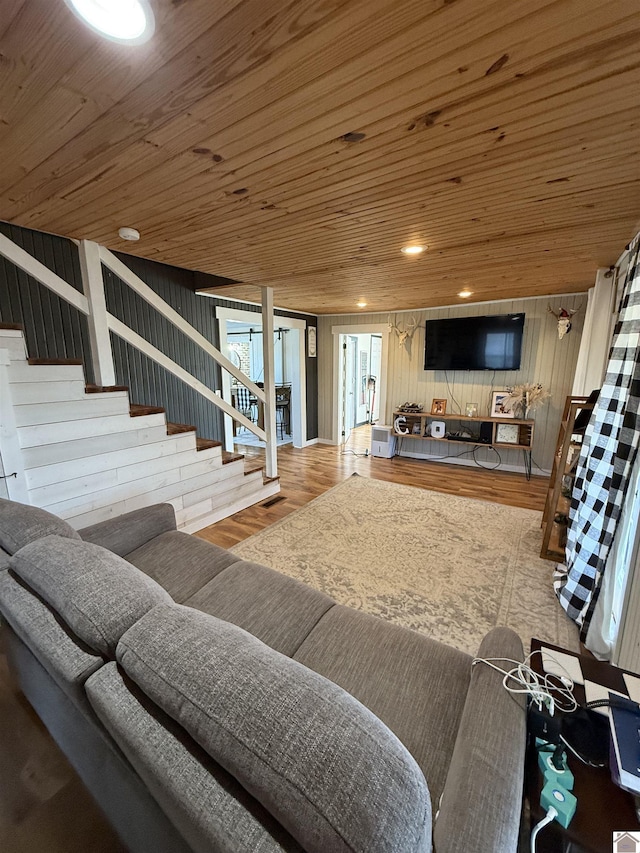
x=66 y=660
x=212 y=811
x=320 y=762
x=482 y=797
x=97 y=594
x=21 y=524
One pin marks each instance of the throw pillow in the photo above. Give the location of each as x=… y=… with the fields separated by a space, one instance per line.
x=21 y=524
x=98 y=594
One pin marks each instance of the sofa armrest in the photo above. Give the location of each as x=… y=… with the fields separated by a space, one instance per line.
x=125 y=533
x=482 y=797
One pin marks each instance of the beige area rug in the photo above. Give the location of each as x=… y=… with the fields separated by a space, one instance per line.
x=447 y=566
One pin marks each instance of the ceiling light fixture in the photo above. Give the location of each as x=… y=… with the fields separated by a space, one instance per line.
x=466 y=293
x=361 y=304
x=129 y=234
x=123 y=21
x=412 y=250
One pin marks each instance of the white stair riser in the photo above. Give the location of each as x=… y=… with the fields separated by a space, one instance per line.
x=225 y=485
x=35 y=414
x=166 y=485
x=41 y=456
x=91 y=427
x=162 y=454
x=267 y=491
x=59 y=472
x=23 y=393
x=45 y=372
x=14 y=344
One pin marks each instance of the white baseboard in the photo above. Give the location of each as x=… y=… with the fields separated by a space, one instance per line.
x=311 y=441
x=469 y=463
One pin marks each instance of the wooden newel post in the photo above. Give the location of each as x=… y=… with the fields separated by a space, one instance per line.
x=93 y=286
x=271 y=462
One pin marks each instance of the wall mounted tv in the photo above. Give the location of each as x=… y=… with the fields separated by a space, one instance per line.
x=474 y=343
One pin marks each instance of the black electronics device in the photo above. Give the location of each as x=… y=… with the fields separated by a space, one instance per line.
x=474 y=343
x=486 y=430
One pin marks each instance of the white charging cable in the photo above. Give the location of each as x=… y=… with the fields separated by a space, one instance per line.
x=546 y=820
x=542 y=689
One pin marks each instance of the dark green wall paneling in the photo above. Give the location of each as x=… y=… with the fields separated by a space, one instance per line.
x=148 y=383
x=52 y=327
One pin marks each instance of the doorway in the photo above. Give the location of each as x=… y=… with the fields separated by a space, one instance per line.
x=241 y=342
x=360 y=386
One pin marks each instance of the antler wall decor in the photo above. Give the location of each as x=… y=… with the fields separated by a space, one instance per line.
x=406 y=333
x=563 y=316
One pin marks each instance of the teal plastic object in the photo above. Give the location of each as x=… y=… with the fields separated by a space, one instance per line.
x=563 y=777
x=562 y=800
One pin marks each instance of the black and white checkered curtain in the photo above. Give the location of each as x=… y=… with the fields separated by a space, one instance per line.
x=606 y=460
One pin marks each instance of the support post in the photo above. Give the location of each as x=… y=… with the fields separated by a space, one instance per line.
x=271 y=462
x=93 y=286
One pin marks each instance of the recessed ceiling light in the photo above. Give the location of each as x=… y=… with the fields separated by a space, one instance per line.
x=466 y=293
x=129 y=234
x=361 y=304
x=124 y=21
x=412 y=250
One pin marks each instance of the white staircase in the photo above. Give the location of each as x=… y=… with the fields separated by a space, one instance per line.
x=87 y=454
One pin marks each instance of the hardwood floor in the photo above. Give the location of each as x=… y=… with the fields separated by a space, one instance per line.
x=43 y=805
x=307 y=473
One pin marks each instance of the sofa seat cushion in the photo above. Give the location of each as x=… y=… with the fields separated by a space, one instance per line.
x=98 y=594
x=209 y=808
x=181 y=563
x=322 y=764
x=21 y=524
x=482 y=798
x=416 y=685
x=65 y=657
x=279 y=610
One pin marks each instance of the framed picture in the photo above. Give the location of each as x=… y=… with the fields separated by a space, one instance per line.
x=507 y=434
x=438 y=407
x=311 y=341
x=500 y=408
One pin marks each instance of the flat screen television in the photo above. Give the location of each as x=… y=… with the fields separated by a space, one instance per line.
x=474 y=343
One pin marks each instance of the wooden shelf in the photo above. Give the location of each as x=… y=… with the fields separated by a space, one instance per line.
x=524 y=441
x=565 y=461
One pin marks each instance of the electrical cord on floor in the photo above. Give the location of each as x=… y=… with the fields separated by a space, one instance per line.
x=487 y=467
x=546 y=820
x=353 y=453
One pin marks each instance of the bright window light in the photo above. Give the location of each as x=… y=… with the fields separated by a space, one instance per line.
x=124 y=21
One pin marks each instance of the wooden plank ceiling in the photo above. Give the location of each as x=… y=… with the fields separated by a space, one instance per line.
x=300 y=144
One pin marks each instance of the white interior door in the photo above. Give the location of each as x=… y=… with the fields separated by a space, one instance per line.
x=362 y=379
x=349 y=349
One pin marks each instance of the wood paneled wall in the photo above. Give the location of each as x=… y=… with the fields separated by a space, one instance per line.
x=545 y=359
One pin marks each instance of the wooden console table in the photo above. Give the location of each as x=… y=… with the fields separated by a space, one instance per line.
x=520 y=437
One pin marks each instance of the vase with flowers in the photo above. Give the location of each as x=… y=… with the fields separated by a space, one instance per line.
x=525 y=398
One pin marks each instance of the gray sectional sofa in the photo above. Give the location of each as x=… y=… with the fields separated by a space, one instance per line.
x=212 y=704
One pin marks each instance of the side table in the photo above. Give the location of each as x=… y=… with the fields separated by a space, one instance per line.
x=602 y=806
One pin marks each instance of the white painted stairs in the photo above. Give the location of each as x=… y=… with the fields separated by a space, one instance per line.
x=86 y=454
